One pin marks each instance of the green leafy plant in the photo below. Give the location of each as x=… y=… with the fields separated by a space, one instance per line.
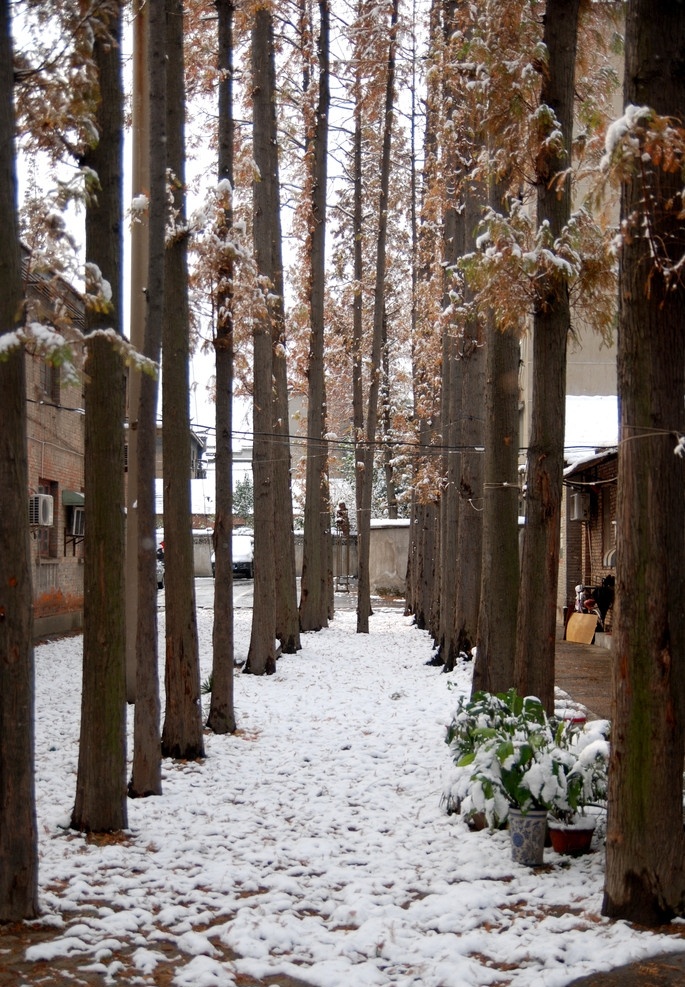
x=508 y=753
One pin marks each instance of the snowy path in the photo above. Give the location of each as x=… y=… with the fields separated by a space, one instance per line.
x=312 y=842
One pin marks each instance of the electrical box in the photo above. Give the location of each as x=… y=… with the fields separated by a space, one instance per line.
x=580 y=506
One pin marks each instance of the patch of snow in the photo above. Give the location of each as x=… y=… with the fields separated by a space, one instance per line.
x=312 y=842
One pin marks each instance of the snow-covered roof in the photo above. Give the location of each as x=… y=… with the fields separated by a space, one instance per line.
x=591 y=425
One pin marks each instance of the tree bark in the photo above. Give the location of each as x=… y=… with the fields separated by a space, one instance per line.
x=470 y=494
x=261 y=658
x=314 y=596
x=364 y=511
x=287 y=621
x=493 y=669
x=100 y=803
x=146 y=772
x=18 y=836
x=645 y=875
x=450 y=414
x=537 y=605
x=221 y=717
x=138 y=273
x=182 y=731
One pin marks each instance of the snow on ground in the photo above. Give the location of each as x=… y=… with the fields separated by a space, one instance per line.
x=313 y=842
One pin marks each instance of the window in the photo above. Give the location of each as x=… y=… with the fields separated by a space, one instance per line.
x=49 y=380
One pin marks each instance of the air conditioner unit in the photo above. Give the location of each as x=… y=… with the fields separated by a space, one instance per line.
x=78 y=522
x=580 y=507
x=41 y=511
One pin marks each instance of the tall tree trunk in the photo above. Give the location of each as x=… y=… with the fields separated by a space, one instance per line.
x=100 y=803
x=493 y=669
x=537 y=605
x=221 y=717
x=317 y=525
x=358 y=300
x=418 y=602
x=470 y=483
x=138 y=272
x=451 y=388
x=18 y=837
x=287 y=621
x=452 y=372
x=146 y=772
x=364 y=514
x=261 y=658
x=182 y=730
x=386 y=425
x=645 y=870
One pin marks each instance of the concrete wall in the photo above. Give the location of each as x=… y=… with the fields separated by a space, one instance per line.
x=388 y=553
x=202 y=550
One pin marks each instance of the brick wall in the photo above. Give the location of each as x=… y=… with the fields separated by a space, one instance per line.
x=55 y=439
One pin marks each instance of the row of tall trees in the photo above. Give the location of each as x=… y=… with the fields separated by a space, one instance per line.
x=416 y=288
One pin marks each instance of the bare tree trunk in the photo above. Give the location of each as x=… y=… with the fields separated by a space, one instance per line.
x=358 y=302
x=261 y=658
x=317 y=525
x=146 y=773
x=417 y=600
x=221 y=717
x=364 y=514
x=138 y=274
x=182 y=731
x=493 y=669
x=386 y=425
x=470 y=484
x=287 y=621
x=645 y=871
x=18 y=836
x=100 y=803
x=537 y=605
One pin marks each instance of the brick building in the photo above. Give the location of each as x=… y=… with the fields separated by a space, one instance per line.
x=589 y=522
x=55 y=435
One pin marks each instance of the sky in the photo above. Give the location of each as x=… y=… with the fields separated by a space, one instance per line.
x=313 y=841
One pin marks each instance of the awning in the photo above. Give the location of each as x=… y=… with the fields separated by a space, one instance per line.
x=72 y=498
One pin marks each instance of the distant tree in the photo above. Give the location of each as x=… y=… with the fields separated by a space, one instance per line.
x=146 y=772
x=645 y=869
x=18 y=837
x=221 y=717
x=100 y=803
x=182 y=731
x=314 y=597
x=371 y=420
x=243 y=497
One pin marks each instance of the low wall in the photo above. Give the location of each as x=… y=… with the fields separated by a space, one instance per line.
x=388 y=553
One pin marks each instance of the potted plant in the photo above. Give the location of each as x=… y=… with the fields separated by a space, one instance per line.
x=497 y=742
x=515 y=764
x=583 y=762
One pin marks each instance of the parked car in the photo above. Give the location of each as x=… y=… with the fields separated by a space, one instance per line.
x=160 y=572
x=243 y=556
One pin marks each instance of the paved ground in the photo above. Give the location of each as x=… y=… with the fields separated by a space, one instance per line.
x=584 y=672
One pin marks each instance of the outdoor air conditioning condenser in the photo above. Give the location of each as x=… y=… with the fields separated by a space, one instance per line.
x=41 y=511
